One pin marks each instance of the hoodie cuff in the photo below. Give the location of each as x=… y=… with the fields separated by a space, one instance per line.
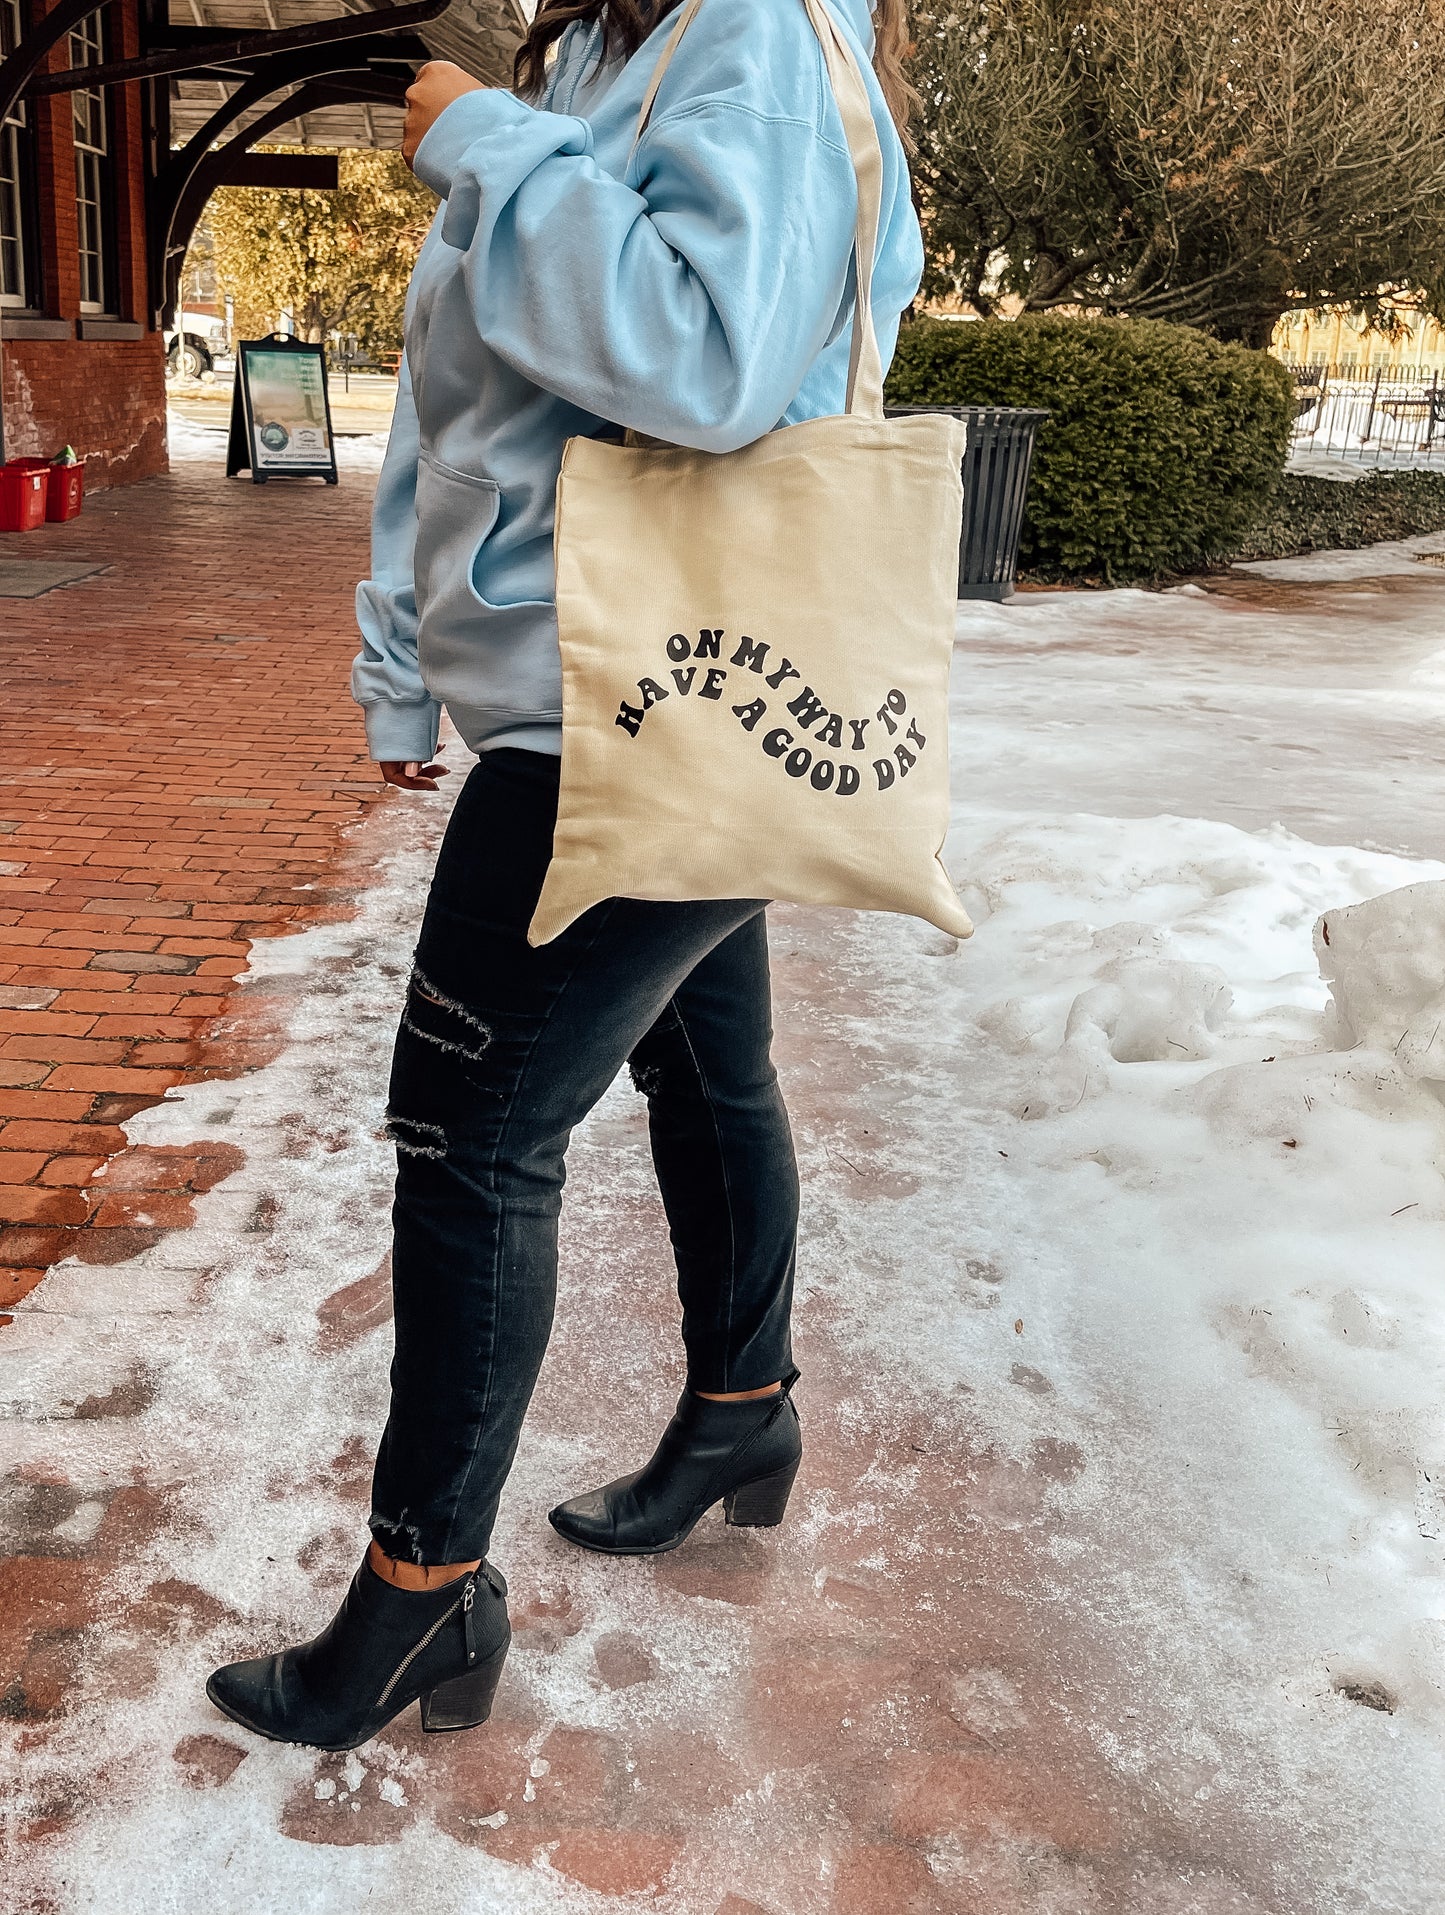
x=470 y=117
x=521 y=136
x=402 y=734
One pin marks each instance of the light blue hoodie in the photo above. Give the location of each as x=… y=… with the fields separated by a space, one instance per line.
x=697 y=289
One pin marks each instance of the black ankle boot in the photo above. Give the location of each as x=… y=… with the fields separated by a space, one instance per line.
x=744 y=1455
x=383 y=1648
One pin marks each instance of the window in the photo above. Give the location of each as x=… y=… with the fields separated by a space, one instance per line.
x=18 y=275
x=94 y=181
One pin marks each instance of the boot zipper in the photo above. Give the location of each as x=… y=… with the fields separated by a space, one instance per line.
x=742 y=1448
x=464 y=1601
x=468 y=1626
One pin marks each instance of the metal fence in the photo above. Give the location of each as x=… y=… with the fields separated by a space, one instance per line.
x=1391 y=418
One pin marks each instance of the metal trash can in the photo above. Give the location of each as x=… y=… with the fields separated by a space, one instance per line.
x=996 y=466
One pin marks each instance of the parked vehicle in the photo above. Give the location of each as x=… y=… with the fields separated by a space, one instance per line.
x=194 y=346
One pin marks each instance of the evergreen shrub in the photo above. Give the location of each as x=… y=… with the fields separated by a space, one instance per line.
x=1163 y=447
x=1306 y=514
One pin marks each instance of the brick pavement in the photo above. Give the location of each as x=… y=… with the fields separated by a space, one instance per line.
x=178 y=758
x=902 y=1703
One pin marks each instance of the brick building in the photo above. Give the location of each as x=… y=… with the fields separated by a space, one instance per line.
x=117 y=121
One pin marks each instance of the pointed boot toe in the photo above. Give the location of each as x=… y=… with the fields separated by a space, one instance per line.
x=250 y=1692
x=743 y=1454
x=591 y=1518
x=384 y=1649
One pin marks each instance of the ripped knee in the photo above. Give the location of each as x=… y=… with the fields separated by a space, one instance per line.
x=413 y=1138
x=469 y=1037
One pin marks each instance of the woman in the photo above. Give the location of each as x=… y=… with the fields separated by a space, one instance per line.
x=696 y=286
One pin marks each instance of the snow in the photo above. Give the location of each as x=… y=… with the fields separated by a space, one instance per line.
x=192 y=442
x=1161 y=1174
x=1239 y=1206
x=1390 y=558
x=1325 y=465
x=1362 y=427
x=1324 y=708
x=188 y=440
x=245 y=1437
x=1384 y=961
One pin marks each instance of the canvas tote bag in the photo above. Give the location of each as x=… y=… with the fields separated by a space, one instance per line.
x=756 y=644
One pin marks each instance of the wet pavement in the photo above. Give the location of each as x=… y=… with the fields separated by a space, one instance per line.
x=178 y=761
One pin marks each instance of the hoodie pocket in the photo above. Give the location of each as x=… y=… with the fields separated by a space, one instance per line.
x=455 y=514
x=475 y=653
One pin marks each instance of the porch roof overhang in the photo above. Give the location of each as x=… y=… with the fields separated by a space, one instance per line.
x=239 y=71
x=210 y=50
x=480 y=35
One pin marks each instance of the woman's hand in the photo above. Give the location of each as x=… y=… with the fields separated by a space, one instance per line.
x=411 y=777
x=428 y=97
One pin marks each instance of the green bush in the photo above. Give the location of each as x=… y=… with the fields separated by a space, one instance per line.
x=1163 y=445
x=1321 y=515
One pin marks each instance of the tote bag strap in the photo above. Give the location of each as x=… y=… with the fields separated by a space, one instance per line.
x=865 y=363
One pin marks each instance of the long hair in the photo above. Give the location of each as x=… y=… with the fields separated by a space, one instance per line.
x=627 y=23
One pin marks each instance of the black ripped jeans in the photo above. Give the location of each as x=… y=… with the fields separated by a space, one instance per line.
x=502 y=1050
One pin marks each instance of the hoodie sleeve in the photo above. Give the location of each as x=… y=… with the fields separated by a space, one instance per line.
x=402 y=719
x=689 y=307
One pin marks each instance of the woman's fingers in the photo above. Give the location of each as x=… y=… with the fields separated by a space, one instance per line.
x=413 y=776
x=436 y=85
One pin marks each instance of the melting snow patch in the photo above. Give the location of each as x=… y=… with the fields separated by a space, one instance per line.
x=1389 y=558
x=1155 y=1199
x=1204 y=1181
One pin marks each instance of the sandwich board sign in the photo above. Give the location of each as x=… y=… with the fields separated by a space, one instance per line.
x=280 y=412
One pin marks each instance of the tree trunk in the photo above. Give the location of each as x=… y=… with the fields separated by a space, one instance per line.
x=1255 y=329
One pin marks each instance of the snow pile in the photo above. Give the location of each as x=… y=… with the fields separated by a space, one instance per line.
x=1389 y=558
x=189 y=441
x=1230 y=1228
x=1384 y=962
x=1145 y=1008
x=1139 y=1010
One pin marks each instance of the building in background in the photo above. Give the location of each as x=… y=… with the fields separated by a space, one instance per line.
x=82 y=362
x=102 y=180
x=1343 y=345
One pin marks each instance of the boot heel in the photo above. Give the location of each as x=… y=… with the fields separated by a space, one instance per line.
x=760 y=1504
x=466 y=1701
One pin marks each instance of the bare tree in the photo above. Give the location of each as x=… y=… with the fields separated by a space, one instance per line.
x=1214 y=162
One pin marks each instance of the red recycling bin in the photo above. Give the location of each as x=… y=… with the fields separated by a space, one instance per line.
x=64 y=486
x=65 y=491
x=23 y=487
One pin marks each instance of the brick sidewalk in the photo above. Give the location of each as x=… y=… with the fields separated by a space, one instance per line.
x=941 y=1688
x=178 y=757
